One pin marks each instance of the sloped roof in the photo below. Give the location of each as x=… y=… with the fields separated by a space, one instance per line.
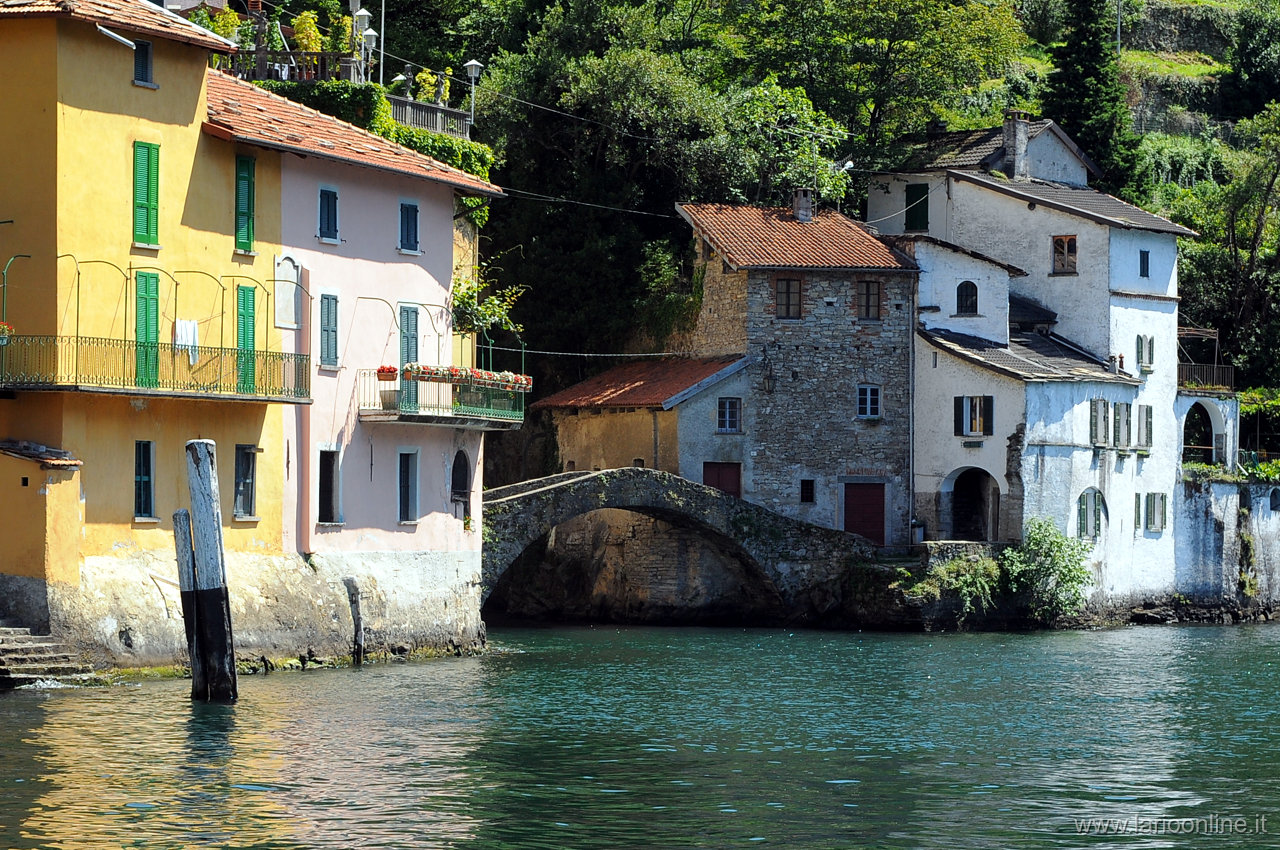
x=1078 y=200
x=977 y=149
x=245 y=113
x=1029 y=356
x=644 y=383
x=139 y=16
x=47 y=457
x=1024 y=311
x=773 y=238
x=903 y=242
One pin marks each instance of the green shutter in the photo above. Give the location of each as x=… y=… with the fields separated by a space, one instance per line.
x=146 y=193
x=408 y=354
x=1093 y=422
x=328 y=330
x=1148 y=417
x=1082 y=514
x=147 y=329
x=245 y=339
x=1097 y=515
x=244 y=202
x=1137 y=512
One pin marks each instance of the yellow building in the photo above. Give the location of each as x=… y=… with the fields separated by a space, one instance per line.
x=138 y=256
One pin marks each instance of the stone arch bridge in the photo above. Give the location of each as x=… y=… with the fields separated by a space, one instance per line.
x=821 y=576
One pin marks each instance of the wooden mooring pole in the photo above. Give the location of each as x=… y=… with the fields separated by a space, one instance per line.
x=187 y=592
x=210 y=634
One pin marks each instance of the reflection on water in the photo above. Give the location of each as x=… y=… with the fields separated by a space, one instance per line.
x=617 y=738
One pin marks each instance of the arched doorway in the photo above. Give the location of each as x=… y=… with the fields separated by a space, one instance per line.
x=1198 y=437
x=460 y=486
x=975 y=506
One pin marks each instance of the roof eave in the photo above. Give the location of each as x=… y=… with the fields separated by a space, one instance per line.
x=709 y=381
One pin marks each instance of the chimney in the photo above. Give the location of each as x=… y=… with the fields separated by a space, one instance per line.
x=1016 y=130
x=802 y=204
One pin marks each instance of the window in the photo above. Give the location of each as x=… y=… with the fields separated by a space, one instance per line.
x=246 y=473
x=1121 y=433
x=1144 y=264
x=1090 y=509
x=729 y=416
x=1098 y=421
x=787 y=297
x=329 y=215
x=1064 y=255
x=144 y=479
x=967 y=299
x=1144 y=426
x=330 y=510
x=1146 y=353
x=868 y=293
x=917 y=206
x=244 y=202
x=328 y=330
x=460 y=483
x=868 y=401
x=408 y=486
x=638 y=462
x=146 y=193
x=408 y=227
x=142 y=71
x=146 y=358
x=974 y=415
x=807 y=491
x=1157 y=504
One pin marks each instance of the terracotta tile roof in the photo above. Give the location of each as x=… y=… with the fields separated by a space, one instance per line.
x=47 y=458
x=131 y=16
x=1029 y=356
x=772 y=238
x=645 y=383
x=976 y=149
x=1080 y=200
x=245 y=113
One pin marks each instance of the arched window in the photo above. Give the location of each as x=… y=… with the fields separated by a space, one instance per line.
x=1091 y=510
x=967 y=299
x=460 y=483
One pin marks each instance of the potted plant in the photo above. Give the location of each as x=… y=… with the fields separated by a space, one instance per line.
x=6 y=331
x=387 y=373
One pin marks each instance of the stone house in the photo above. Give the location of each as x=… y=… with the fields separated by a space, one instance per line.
x=810 y=415
x=1058 y=355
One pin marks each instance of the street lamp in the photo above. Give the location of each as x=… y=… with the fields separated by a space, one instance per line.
x=473 y=69
x=360 y=23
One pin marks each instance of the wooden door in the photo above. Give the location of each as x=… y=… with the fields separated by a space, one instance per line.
x=723 y=476
x=864 y=511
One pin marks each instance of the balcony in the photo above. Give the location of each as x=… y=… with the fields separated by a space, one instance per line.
x=1196 y=376
x=255 y=65
x=458 y=403
x=97 y=364
x=430 y=116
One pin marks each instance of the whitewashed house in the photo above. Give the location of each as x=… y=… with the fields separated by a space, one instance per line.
x=1055 y=349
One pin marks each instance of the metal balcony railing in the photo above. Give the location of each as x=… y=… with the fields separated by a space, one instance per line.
x=285 y=65
x=456 y=398
x=1192 y=375
x=55 y=362
x=430 y=116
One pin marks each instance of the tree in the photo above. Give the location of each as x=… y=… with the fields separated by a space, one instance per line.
x=1254 y=57
x=1086 y=97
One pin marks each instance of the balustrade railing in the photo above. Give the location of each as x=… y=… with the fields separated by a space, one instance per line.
x=430 y=116
x=285 y=65
x=457 y=397
x=1191 y=375
x=50 y=362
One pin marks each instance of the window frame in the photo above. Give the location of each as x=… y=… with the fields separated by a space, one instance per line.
x=144 y=58
x=409 y=246
x=966 y=296
x=788 y=305
x=245 y=199
x=328 y=326
x=915 y=211
x=1122 y=425
x=146 y=194
x=808 y=491
x=1145 y=425
x=1144 y=263
x=1146 y=353
x=407 y=487
x=1157 y=505
x=1091 y=510
x=144 y=481
x=333 y=514
x=1066 y=260
x=869 y=401
x=244 y=500
x=331 y=237
x=729 y=415
x=1099 y=422
x=971 y=411
x=869 y=294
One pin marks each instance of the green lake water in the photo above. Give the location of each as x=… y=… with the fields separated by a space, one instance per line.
x=674 y=738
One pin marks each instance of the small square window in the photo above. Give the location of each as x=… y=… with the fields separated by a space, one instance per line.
x=974 y=415
x=729 y=416
x=787 y=298
x=807 y=491
x=246 y=474
x=868 y=401
x=1064 y=255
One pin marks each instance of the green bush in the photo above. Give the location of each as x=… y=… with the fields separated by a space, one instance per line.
x=973 y=579
x=1048 y=569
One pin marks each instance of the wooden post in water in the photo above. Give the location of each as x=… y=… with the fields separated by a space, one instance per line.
x=211 y=603
x=187 y=588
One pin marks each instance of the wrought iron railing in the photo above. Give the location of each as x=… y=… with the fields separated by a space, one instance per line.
x=457 y=398
x=50 y=362
x=285 y=65
x=430 y=116
x=1191 y=375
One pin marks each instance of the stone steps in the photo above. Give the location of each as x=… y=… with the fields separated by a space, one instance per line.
x=27 y=659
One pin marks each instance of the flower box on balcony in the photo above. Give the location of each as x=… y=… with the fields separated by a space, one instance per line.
x=387 y=373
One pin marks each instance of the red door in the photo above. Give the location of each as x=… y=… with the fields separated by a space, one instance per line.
x=864 y=511
x=723 y=476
